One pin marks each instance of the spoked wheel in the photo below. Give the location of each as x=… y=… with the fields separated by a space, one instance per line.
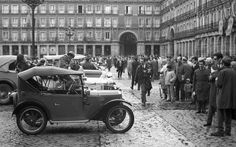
x=31 y=120
x=5 y=90
x=119 y=119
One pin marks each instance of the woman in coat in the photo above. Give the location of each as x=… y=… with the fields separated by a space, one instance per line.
x=201 y=86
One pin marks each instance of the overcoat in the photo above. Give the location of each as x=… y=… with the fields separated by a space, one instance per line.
x=226 y=96
x=201 y=84
x=213 y=89
x=143 y=76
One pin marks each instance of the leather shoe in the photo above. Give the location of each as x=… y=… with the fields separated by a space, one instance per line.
x=206 y=125
x=217 y=134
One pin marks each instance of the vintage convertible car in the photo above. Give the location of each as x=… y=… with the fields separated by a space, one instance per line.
x=8 y=78
x=51 y=94
x=78 y=58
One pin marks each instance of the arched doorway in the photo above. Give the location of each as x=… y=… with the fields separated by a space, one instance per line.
x=172 y=50
x=128 y=44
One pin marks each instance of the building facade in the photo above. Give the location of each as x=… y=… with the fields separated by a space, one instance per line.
x=198 y=27
x=95 y=27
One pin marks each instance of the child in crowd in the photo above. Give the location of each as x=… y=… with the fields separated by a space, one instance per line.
x=170 y=78
x=188 y=89
x=163 y=92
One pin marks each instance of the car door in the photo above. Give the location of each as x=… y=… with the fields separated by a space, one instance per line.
x=65 y=107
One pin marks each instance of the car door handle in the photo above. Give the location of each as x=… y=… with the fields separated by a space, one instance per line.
x=56 y=104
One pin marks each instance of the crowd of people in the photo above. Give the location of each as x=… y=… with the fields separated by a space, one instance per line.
x=201 y=81
x=207 y=82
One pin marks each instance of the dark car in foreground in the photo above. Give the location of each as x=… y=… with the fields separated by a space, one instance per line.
x=51 y=94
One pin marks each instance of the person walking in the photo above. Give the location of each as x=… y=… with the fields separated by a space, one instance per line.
x=129 y=67
x=120 y=67
x=134 y=65
x=154 y=64
x=109 y=64
x=144 y=73
x=217 y=57
x=226 y=97
x=201 y=86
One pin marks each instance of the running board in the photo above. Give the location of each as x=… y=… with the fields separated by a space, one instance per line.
x=76 y=121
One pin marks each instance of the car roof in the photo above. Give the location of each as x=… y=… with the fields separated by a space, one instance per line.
x=57 y=57
x=46 y=71
x=5 y=60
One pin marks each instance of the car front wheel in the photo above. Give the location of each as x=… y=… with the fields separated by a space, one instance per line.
x=119 y=119
x=5 y=90
x=31 y=120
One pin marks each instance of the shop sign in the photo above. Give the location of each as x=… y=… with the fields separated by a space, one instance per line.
x=230 y=26
x=221 y=25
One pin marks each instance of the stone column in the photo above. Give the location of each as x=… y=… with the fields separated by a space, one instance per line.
x=10 y=49
x=152 y=49
x=66 y=48
x=20 y=49
x=57 y=49
x=84 y=49
x=114 y=49
x=93 y=46
x=1 y=50
x=140 y=49
x=215 y=45
x=103 y=50
x=29 y=50
x=47 y=47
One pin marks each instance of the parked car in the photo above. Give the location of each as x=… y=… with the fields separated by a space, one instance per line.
x=55 y=95
x=8 y=78
x=78 y=57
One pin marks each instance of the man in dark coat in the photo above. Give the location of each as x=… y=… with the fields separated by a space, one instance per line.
x=226 y=98
x=144 y=73
x=88 y=65
x=135 y=65
x=109 y=64
x=64 y=61
x=212 y=96
x=154 y=64
x=186 y=72
x=178 y=77
x=201 y=86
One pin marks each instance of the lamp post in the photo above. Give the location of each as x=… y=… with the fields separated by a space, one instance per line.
x=69 y=32
x=33 y=4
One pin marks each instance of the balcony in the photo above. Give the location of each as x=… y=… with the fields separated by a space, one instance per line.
x=196 y=31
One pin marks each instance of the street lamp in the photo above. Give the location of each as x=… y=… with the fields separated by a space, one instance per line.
x=69 y=32
x=33 y=4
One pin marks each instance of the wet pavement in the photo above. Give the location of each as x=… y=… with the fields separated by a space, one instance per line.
x=158 y=124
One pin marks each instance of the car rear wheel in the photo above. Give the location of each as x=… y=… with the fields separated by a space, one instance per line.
x=31 y=120
x=119 y=119
x=5 y=90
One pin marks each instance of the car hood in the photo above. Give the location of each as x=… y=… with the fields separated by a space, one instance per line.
x=105 y=92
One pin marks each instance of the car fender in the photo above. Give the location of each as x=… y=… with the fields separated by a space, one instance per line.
x=108 y=105
x=9 y=82
x=30 y=103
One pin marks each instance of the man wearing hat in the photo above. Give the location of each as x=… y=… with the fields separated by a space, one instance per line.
x=64 y=61
x=226 y=97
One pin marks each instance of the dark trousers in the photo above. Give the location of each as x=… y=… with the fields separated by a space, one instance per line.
x=120 y=73
x=224 y=116
x=132 y=81
x=143 y=93
x=201 y=106
x=211 y=113
x=179 y=87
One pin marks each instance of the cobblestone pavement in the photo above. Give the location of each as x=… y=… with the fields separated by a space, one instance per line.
x=158 y=124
